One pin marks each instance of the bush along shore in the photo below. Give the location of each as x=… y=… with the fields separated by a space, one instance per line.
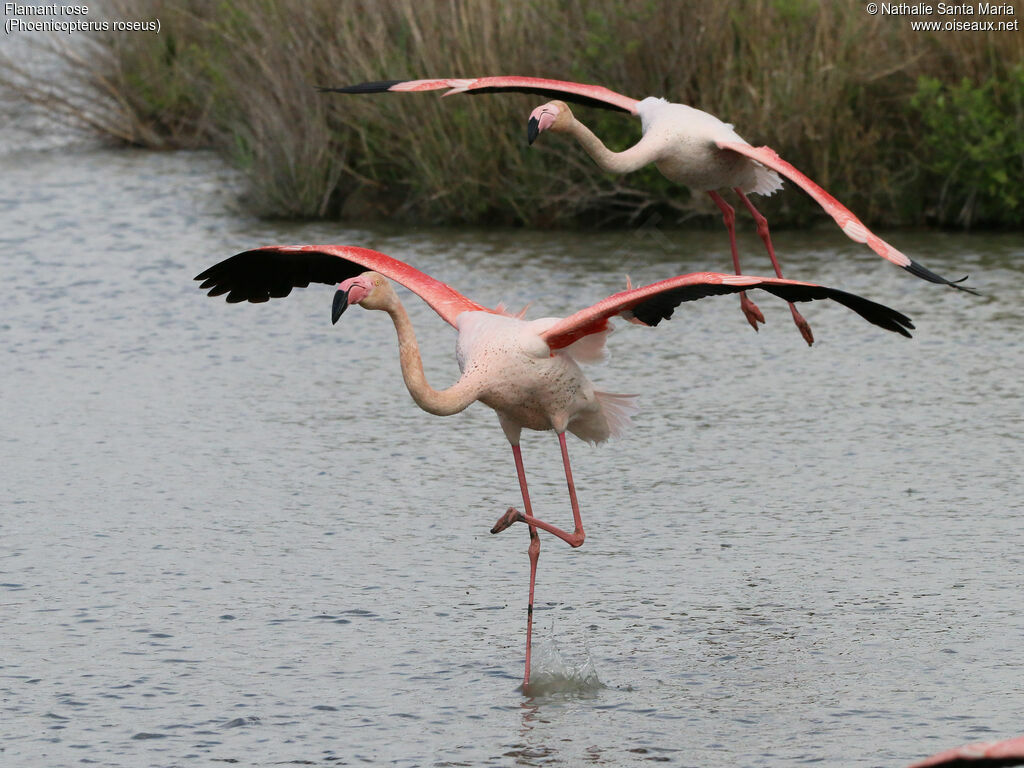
x=906 y=127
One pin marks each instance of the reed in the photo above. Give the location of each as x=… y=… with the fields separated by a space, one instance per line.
x=861 y=103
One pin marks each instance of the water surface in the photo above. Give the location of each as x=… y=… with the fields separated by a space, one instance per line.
x=227 y=534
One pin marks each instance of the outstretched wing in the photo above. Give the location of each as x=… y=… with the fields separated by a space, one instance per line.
x=850 y=224
x=991 y=754
x=580 y=93
x=656 y=302
x=271 y=273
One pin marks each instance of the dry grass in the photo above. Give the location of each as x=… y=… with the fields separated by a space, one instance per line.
x=826 y=84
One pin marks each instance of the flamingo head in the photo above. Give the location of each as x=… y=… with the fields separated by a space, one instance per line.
x=369 y=290
x=555 y=116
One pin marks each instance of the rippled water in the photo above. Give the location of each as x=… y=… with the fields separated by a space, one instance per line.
x=227 y=534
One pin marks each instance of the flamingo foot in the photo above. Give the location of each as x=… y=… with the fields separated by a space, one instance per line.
x=510 y=518
x=802 y=325
x=753 y=314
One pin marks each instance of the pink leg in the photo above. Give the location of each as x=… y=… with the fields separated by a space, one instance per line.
x=750 y=310
x=534 y=551
x=573 y=539
x=762 y=230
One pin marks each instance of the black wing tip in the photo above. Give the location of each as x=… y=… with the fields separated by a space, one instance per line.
x=875 y=313
x=375 y=86
x=208 y=277
x=878 y=314
x=660 y=306
x=964 y=288
x=272 y=272
x=217 y=280
x=924 y=273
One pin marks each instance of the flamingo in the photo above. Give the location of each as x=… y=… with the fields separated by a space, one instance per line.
x=988 y=754
x=687 y=145
x=526 y=370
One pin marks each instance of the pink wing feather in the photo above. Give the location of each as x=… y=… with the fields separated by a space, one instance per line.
x=592 y=95
x=272 y=272
x=852 y=226
x=1001 y=753
x=653 y=303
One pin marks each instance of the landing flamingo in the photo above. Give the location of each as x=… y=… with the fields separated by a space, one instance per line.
x=687 y=145
x=527 y=371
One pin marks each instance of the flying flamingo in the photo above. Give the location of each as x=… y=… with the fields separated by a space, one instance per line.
x=687 y=145
x=527 y=371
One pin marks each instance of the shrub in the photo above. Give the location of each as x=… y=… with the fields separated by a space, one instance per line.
x=973 y=148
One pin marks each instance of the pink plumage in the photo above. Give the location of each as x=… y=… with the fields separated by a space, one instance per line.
x=979 y=755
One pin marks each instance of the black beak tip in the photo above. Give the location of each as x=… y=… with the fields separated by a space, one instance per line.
x=339 y=306
x=532 y=130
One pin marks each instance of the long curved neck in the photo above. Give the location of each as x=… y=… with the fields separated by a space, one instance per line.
x=632 y=159
x=438 y=402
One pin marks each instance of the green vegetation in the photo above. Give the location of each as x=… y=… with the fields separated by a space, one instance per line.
x=974 y=147
x=905 y=127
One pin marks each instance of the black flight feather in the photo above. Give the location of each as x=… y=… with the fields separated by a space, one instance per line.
x=261 y=275
x=661 y=306
x=923 y=272
x=377 y=86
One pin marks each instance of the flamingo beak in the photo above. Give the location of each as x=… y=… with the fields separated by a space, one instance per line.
x=542 y=118
x=351 y=291
x=532 y=130
x=339 y=306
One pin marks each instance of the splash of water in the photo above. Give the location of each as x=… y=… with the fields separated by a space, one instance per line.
x=552 y=671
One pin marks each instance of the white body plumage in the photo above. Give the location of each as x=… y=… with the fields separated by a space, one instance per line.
x=530 y=386
x=682 y=140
